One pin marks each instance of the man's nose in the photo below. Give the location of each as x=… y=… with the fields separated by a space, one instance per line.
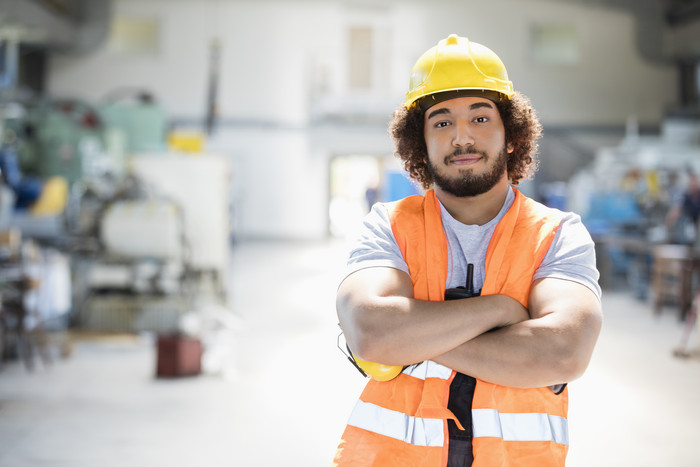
x=462 y=135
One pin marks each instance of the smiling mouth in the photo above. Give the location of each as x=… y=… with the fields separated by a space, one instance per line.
x=464 y=159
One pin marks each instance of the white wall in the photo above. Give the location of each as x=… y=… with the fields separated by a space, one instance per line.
x=279 y=184
x=284 y=63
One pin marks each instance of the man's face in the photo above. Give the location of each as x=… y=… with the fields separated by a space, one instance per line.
x=467 y=153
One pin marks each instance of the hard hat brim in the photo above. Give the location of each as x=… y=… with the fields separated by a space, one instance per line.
x=426 y=102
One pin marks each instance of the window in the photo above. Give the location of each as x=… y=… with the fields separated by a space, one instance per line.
x=136 y=36
x=361 y=57
x=554 y=44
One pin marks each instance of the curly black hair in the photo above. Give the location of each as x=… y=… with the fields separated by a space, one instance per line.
x=522 y=129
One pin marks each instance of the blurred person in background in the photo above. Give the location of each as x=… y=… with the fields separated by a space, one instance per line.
x=682 y=218
x=471 y=306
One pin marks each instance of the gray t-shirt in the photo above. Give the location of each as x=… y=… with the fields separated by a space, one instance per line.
x=571 y=255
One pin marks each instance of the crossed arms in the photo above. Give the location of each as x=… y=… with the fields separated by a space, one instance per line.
x=548 y=343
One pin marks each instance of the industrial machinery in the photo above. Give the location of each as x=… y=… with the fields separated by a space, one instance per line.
x=148 y=247
x=137 y=116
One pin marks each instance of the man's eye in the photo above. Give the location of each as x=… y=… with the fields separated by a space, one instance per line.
x=481 y=119
x=441 y=124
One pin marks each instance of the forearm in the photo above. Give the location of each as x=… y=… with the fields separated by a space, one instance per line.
x=538 y=352
x=400 y=331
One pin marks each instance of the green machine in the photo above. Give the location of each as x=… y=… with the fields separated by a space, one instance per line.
x=138 y=117
x=63 y=137
x=73 y=139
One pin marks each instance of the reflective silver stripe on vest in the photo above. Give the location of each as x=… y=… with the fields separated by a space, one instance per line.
x=413 y=430
x=428 y=369
x=520 y=426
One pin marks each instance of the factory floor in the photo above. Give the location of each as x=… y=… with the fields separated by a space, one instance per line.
x=276 y=391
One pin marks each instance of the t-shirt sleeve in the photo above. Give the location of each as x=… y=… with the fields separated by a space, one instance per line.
x=571 y=255
x=375 y=245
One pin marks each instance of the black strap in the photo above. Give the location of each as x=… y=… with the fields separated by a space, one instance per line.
x=460 y=452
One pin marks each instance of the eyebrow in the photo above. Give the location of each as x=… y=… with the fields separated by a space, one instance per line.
x=478 y=105
x=439 y=111
x=474 y=106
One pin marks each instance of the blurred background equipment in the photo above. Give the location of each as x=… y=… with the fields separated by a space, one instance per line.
x=139 y=251
x=632 y=200
x=157 y=249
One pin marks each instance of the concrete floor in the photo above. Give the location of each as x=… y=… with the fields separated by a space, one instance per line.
x=278 y=392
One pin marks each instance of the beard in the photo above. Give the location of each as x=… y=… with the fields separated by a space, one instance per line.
x=467 y=183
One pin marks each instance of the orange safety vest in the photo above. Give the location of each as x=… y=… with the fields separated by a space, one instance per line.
x=403 y=422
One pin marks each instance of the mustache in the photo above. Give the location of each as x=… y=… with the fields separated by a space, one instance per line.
x=464 y=152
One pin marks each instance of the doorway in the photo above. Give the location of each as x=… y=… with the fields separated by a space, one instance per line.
x=355 y=185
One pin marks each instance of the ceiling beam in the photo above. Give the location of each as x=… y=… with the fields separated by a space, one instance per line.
x=682 y=12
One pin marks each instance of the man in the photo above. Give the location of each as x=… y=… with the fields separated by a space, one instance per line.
x=483 y=378
x=686 y=207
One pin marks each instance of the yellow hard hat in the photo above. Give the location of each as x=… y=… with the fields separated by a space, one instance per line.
x=457 y=64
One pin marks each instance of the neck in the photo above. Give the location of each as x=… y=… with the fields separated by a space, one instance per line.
x=475 y=210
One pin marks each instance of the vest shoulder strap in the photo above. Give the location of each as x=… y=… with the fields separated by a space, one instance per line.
x=416 y=223
x=518 y=246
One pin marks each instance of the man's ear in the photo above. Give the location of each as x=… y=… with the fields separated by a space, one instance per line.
x=510 y=148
